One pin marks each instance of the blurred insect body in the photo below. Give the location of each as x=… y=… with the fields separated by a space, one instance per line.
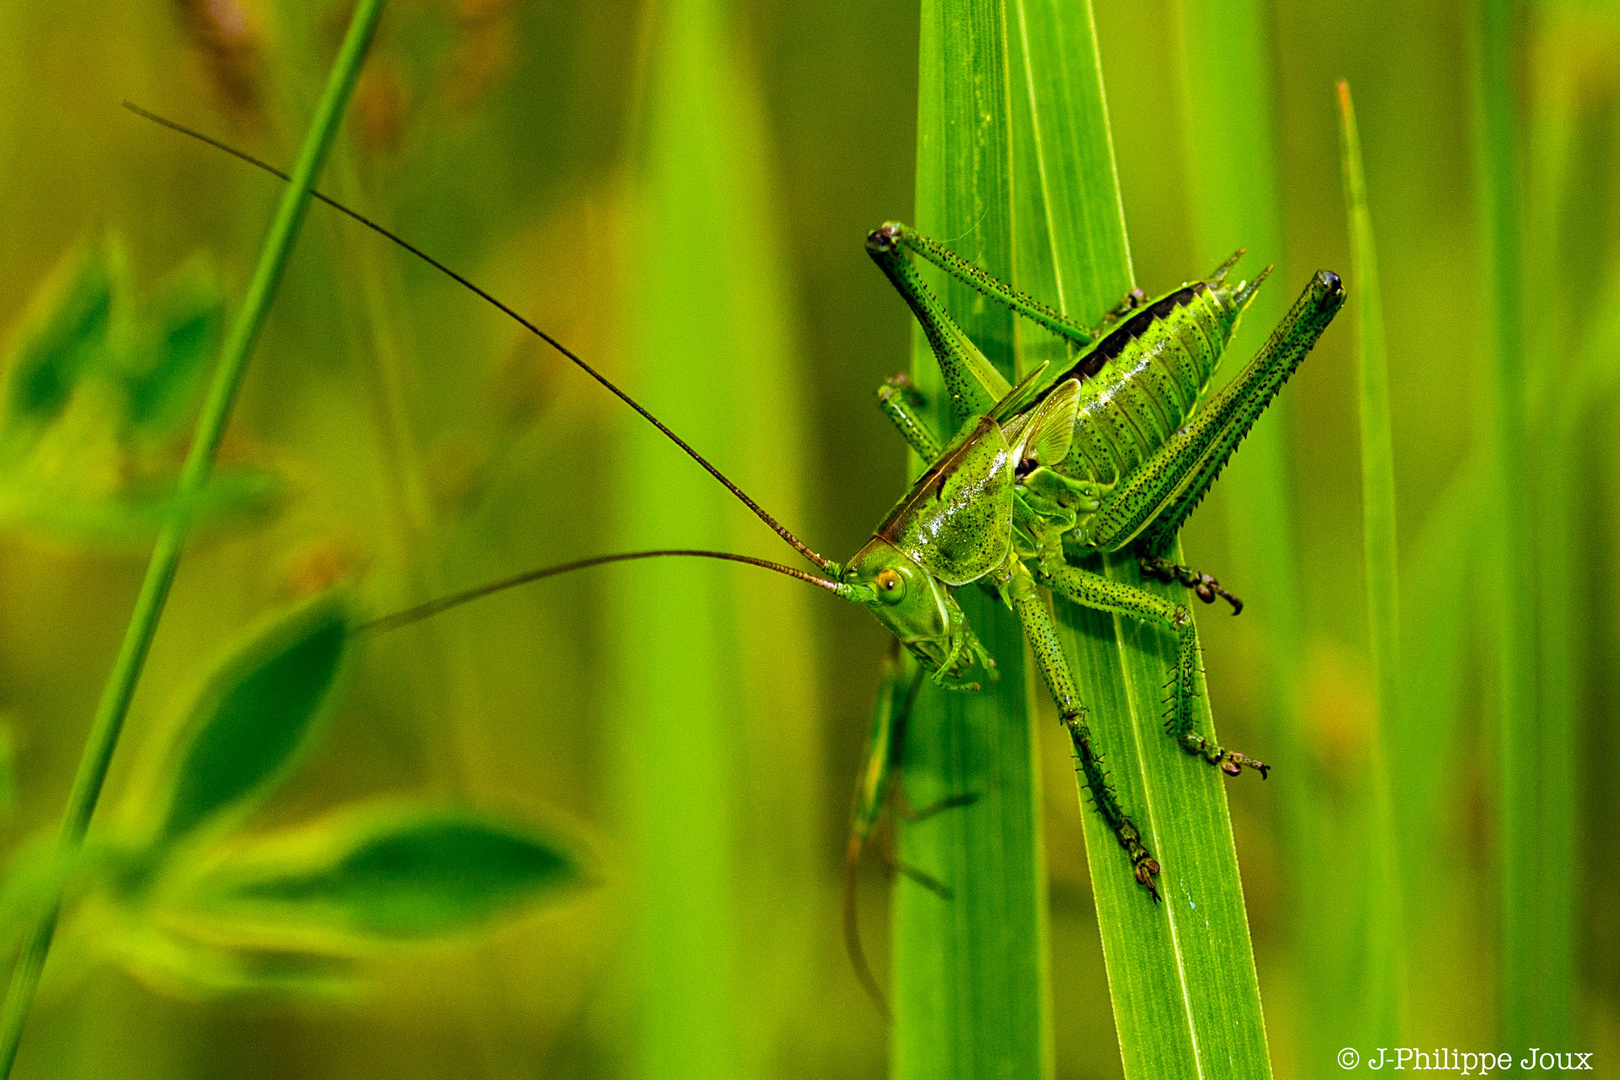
x=1109 y=454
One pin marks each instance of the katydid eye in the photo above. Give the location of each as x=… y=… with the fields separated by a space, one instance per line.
x=890 y=586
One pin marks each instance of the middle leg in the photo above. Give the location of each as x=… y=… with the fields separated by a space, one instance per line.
x=1095 y=591
x=1041 y=633
x=900 y=402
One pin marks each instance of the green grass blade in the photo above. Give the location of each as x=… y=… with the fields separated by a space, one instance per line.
x=1497 y=168
x=1181 y=975
x=1384 y=952
x=216 y=410
x=1567 y=187
x=970 y=978
x=1443 y=561
x=715 y=713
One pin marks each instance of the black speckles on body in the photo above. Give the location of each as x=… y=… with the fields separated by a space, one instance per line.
x=1142 y=382
x=1121 y=338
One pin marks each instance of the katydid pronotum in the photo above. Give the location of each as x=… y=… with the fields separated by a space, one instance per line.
x=1110 y=454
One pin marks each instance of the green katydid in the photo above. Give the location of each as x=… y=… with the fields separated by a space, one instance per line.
x=1110 y=454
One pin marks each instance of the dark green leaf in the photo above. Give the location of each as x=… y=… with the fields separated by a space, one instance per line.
x=254 y=714
x=63 y=334
x=178 y=334
x=394 y=875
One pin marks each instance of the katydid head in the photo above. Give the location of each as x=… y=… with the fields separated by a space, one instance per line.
x=918 y=608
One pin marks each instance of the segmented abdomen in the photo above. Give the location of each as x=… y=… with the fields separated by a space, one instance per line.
x=1141 y=382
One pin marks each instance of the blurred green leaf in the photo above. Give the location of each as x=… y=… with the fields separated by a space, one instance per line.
x=1444 y=561
x=173 y=962
x=714 y=732
x=130 y=517
x=64 y=333
x=1498 y=162
x=178 y=332
x=95 y=390
x=253 y=715
x=393 y=875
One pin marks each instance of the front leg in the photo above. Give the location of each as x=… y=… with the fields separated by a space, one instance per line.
x=1041 y=633
x=1095 y=591
x=971 y=380
x=901 y=403
x=1203 y=586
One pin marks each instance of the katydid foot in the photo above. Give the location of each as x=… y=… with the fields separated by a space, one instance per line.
x=900 y=385
x=1206 y=588
x=1229 y=762
x=1133 y=300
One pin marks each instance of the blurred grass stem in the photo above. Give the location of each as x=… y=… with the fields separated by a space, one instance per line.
x=216 y=410
x=1385 y=943
x=1497 y=169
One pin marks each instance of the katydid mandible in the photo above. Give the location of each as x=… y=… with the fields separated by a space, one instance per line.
x=1111 y=453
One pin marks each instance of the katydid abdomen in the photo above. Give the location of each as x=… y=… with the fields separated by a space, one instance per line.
x=1142 y=381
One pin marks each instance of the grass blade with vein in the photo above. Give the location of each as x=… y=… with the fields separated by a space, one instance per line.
x=970 y=973
x=1181 y=975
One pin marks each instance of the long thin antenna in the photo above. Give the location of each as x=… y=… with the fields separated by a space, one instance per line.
x=759 y=511
x=445 y=603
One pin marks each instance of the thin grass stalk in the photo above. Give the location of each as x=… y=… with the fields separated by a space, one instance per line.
x=1181 y=974
x=1497 y=168
x=216 y=410
x=970 y=973
x=712 y=704
x=1385 y=949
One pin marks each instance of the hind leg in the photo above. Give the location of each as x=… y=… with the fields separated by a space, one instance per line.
x=1203 y=586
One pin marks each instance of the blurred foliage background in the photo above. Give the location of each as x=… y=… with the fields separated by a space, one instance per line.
x=422 y=443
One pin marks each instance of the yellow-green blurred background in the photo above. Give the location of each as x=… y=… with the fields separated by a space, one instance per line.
x=427 y=444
